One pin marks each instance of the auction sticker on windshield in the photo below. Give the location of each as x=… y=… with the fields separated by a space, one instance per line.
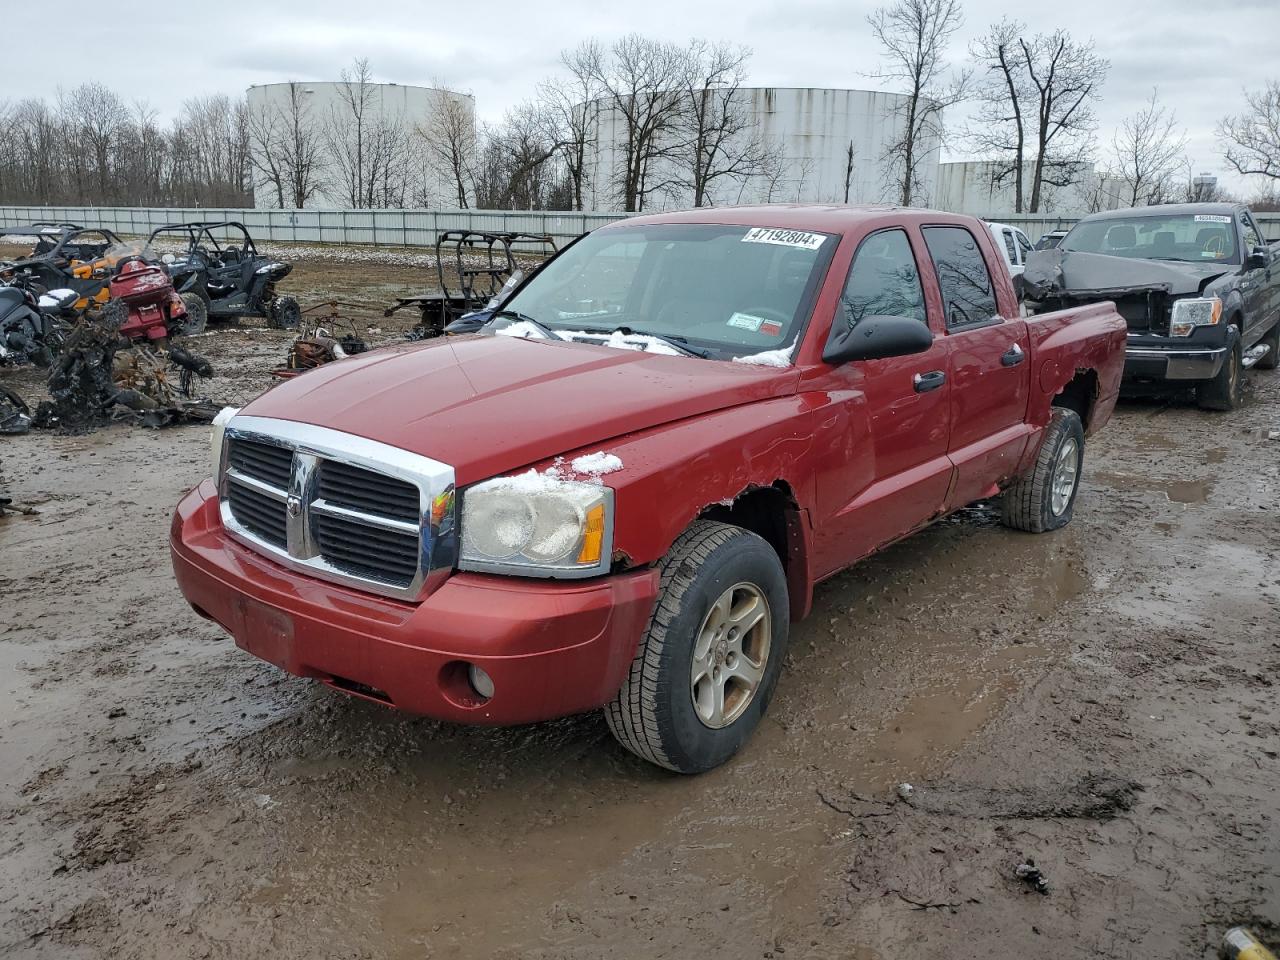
x=1211 y=218
x=785 y=238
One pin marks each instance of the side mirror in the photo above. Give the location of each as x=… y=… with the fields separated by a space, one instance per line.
x=877 y=337
x=1258 y=259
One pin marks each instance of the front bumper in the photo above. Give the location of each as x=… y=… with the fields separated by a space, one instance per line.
x=552 y=648
x=1196 y=357
x=1153 y=363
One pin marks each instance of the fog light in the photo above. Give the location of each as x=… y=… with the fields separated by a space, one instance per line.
x=481 y=682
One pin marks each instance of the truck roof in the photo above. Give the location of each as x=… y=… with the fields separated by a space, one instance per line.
x=823 y=218
x=1167 y=209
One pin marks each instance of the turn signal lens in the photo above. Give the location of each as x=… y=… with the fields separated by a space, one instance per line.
x=592 y=535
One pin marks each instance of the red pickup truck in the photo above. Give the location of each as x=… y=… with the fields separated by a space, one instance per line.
x=622 y=491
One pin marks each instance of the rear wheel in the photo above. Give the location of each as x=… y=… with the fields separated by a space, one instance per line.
x=1045 y=498
x=283 y=313
x=1272 y=342
x=707 y=666
x=1226 y=390
x=197 y=315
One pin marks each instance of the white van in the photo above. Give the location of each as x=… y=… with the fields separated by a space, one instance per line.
x=1015 y=246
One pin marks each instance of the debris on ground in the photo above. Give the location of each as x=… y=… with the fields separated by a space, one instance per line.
x=1239 y=943
x=101 y=377
x=1030 y=874
x=318 y=341
x=905 y=791
x=15 y=415
x=1092 y=797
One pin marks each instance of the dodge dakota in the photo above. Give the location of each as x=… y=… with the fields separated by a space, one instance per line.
x=622 y=491
x=1196 y=283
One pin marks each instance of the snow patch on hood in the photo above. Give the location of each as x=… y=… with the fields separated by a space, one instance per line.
x=585 y=469
x=522 y=330
x=596 y=464
x=767 y=358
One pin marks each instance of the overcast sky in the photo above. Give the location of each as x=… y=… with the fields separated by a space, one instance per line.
x=1199 y=53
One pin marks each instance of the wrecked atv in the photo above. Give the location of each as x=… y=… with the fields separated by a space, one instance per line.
x=1196 y=284
x=221 y=265
x=483 y=264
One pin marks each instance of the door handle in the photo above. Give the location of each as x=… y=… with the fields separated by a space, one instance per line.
x=924 y=382
x=1012 y=357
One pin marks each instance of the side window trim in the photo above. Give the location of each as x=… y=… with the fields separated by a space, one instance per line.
x=996 y=317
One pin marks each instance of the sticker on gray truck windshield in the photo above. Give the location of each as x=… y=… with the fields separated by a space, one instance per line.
x=1211 y=218
x=785 y=238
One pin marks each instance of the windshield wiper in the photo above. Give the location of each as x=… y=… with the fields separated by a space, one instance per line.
x=680 y=343
x=523 y=318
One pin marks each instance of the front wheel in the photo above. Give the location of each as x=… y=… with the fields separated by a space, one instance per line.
x=708 y=663
x=1226 y=390
x=1044 y=499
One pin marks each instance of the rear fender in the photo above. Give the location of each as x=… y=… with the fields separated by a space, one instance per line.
x=1067 y=345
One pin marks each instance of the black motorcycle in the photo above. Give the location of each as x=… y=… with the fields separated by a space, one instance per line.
x=32 y=326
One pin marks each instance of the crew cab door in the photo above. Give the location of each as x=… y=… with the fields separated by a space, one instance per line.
x=888 y=471
x=1259 y=286
x=988 y=365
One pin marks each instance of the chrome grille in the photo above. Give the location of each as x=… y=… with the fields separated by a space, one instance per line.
x=262 y=514
x=341 y=507
x=367 y=492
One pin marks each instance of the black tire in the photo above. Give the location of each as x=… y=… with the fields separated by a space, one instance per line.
x=1226 y=390
x=283 y=313
x=197 y=315
x=654 y=715
x=1271 y=359
x=1029 y=504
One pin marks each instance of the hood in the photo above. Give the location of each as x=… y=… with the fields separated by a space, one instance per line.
x=1058 y=271
x=488 y=405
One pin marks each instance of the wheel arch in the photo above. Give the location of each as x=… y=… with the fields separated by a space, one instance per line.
x=773 y=513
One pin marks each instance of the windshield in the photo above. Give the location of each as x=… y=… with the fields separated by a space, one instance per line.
x=717 y=290
x=1207 y=237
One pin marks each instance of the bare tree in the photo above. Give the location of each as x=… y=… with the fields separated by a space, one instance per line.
x=571 y=111
x=1036 y=118
x=719 y=137
x=1147 y=150
x=449 y=142
x=288 y=147
x=849 y=156
x=915 y=34
x=1253 y=137
x=95 y=116
x=643 y=82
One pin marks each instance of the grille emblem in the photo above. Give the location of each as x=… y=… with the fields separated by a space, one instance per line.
x=294 y=507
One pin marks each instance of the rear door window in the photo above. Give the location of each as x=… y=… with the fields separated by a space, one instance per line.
x=968 y=296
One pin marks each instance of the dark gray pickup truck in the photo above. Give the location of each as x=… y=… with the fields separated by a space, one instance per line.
x=1197 y=284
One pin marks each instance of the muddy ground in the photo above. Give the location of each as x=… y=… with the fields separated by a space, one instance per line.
x=1101 y=700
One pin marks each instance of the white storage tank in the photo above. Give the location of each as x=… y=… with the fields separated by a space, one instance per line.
x=808 y=129
x=410 y=108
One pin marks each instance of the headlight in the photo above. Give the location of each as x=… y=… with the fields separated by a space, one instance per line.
x=215 y=438
x=1192 y=313
x=537 y=526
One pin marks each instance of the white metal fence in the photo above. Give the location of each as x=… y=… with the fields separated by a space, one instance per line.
x=409 y=228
